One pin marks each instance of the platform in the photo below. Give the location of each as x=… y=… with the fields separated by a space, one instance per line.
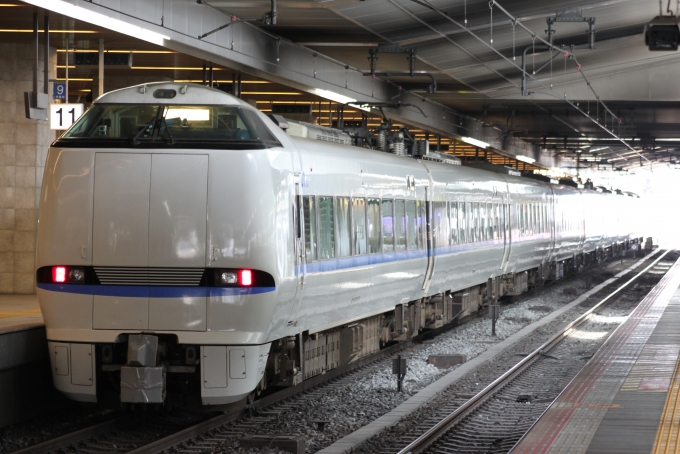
x=627 y=398
x=25 y=380
x=19 y=312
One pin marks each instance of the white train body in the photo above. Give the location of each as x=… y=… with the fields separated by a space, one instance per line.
x=145 y=231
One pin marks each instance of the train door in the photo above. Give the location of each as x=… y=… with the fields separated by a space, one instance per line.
x=298 y=249
x=507 y=230
x=429 y=241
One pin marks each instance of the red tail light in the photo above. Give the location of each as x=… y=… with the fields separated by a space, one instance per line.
x=59 y=274
x=246 y=277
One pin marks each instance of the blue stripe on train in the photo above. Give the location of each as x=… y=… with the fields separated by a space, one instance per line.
x=141 y=291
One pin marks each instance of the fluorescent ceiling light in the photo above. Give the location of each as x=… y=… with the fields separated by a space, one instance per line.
x=475 y=142
x=69 y=10
x=337 y=97
x=523 y=158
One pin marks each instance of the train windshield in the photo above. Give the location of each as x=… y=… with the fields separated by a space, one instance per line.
x=155 y=126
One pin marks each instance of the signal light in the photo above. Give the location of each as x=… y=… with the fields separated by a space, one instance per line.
x=68 y=275
x=59 y=274
x=246 y=278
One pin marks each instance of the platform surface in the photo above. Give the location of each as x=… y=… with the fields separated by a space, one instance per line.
x=19 y=312
x=626 y=399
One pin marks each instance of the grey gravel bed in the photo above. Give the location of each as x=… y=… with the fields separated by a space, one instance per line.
x=583 y=343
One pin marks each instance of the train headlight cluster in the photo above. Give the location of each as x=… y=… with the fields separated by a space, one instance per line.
x=227 y=277
x=234 y=278
x=68 y=275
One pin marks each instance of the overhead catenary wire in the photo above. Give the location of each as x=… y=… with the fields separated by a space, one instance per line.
x=551 y=47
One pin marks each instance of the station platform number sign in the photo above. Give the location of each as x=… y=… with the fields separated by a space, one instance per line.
x=62 y=116
x=59 y=92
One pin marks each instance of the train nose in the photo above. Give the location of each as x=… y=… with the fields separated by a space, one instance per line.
x=150 y=215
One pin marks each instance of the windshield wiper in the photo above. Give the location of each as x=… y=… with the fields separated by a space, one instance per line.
x=135 y=139
x=166 y=128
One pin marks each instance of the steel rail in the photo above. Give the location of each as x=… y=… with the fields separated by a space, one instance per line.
x=72 y=438
x=445 y=424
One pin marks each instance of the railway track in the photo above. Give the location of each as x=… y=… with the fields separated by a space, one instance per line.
x=152 y=433
x=482 y=423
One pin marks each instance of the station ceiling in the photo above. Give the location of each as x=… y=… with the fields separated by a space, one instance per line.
x=474 y=50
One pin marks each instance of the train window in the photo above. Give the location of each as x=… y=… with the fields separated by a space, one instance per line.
x=309 y=213
x=359 y=218
x=441 y=225
x=463 y=222
x=421 y=222
x=388 y=225
x=400 y=224
x=197 y=126
x=481 y=222
x=453 y=217
x=344 y=229
x=411 y=224
x=475 y=222
x=490 y=218
x=326 y=229
x=374 y=222
x=496 y=220
x=537 y=221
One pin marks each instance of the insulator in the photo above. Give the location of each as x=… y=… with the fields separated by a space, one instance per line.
x=382 y=140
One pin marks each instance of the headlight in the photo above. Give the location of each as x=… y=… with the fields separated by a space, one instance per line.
x=227 y=277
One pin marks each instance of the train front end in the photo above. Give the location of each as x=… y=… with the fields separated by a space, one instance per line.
x=157 y=272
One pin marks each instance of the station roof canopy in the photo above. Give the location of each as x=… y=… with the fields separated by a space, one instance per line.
x=600 y=94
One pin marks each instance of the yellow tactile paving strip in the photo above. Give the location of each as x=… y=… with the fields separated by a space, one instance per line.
x=19 y=313
x=667 y=440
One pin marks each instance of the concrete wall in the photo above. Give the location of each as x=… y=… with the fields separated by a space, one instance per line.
x=23 y=149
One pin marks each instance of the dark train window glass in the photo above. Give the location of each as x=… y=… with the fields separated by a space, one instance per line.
x=441 y=227
x=309 y=213
x=475 y=222
x=497 y=224
x=388 y=225
x=359 y=218
x=411 y=224
x=453 y=222
x=400 y=224
x=482 y=222
x=175 y=124
x=344 y=229
x=462 y=222
x=422 y=223
x=490 y=218
x=326 y=229
x=374 y=222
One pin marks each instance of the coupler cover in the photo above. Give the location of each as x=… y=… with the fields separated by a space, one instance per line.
x=142 y=384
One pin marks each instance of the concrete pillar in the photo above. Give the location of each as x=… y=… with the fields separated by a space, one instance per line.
x=23 y=150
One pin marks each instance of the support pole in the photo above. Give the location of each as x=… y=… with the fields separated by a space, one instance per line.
x=66 y=77
x=46 y=56
x=36 y=60
x=101 y=67
x=211 y=76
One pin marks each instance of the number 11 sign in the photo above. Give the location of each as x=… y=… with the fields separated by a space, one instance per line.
x=62 y=116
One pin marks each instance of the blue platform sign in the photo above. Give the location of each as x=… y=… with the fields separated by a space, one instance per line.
x=60 y=92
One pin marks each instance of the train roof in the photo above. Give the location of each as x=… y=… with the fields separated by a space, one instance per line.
x=171 y=93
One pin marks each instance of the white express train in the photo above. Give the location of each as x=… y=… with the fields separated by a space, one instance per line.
x=190 y=250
